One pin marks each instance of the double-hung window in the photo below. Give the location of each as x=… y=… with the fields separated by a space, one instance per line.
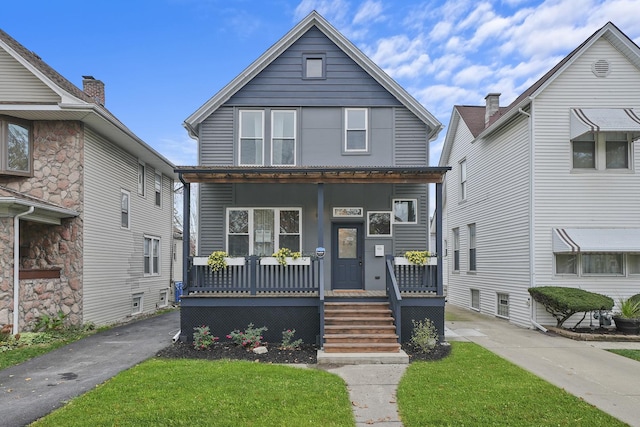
x=456 y=249
x=15 y=147
x=601 y=151
x=251 y=137
x=472 y=247
x=356 y=136
x=151 y=256
x=463 y=180
x=158 y=188
x=125 y=208
x=283 y=137
x=263 y=231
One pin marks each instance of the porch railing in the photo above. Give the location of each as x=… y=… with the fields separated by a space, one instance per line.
x=253 y=277
x=416 y=278
x=395 y=298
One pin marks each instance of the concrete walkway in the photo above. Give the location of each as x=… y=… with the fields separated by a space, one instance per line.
x=583 y=368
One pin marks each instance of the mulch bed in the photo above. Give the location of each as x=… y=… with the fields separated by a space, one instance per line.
x=305 y=354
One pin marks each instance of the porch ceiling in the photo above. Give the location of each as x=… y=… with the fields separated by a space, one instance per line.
x=312 y=175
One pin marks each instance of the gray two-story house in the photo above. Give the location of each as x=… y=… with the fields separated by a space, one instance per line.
x=315 y=149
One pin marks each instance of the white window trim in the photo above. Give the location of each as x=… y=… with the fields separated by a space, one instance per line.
x=579 y=273
x=163 y=300
x=124 y=192
x=600 y=140
x=251 y=231
x=240 y=137
x=366 y=130
x=157 y=202
x=502 y=316
x=369 y=213
x=142 y=185
x=151 y=240
x=473 y=243
x=456 y=247
x=393 y=217
x=471 y=291
x=463 y=179
x=140 y=309
x=317 y=56
x=295 y=138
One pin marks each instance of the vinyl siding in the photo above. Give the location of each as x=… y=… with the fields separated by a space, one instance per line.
x=213 y=200
x=217 y=139
x=411 y=148
x=113 y=257
x=572 y=199
x=498 y=203
x=281 y=82
x=20 y=85
x=412 y=237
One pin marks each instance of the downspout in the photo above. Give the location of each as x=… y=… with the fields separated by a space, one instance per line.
x=531 y=220
x=16 y=266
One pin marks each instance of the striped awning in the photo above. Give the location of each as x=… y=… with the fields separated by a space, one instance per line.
x=585 y=120
x=566 y=240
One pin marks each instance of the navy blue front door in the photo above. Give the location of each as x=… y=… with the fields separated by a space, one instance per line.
x=347 y=243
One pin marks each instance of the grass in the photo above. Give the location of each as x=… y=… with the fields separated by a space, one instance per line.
x=631 y=354
x=474 y=387
x=165 y=392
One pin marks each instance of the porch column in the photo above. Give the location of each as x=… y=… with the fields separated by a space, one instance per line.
x=186 y=232
x=439 y=277
x=321 y=233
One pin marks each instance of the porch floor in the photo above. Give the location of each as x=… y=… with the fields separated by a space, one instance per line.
x=348 y=293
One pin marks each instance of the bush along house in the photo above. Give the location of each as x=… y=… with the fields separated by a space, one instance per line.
x=313 y=149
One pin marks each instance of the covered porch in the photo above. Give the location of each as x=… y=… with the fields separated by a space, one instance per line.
x=259 y=290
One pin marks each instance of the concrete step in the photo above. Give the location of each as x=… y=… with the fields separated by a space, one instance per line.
x=400 y=358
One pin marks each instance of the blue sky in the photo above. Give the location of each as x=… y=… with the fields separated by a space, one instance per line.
x=162 y=59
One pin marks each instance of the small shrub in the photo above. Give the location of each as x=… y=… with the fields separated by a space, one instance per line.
x=635 y=298
x=287 y=343
x=48 y=323
x=424 y=335
x=629 y=309
x=562 y=303
x=250 y=338
x=202 y=338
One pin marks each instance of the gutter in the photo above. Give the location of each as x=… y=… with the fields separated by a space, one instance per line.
x=16 y=266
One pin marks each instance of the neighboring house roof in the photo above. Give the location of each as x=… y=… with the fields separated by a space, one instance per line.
x=74 y=104
x=313 y=19
x=470 y=115
x=13 y=202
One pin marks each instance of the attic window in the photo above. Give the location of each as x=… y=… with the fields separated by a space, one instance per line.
x=314 y=66
x=601 y=68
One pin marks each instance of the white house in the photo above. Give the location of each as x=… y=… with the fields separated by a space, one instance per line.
x=544 y=192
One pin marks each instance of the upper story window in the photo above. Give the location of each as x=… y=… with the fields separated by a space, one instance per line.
x=356 y=138
x=601 y=151
x=251 y=137
x=141 y=178
x=405 y=211
x=158 y=188
x=15 y=147
x=283 y=137
x=313 y=66
x=151 y=256
x=125 y=209
x=463 y=180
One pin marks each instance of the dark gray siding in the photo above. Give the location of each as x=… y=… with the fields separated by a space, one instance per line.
x=412 y=237
x=410 y=139
x=281 y=82
x=213 y=199
x=216 y=135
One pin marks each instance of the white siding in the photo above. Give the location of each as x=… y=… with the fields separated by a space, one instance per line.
x=565 y=199
x=20 y=85
x=498 y=203
x=113 y=257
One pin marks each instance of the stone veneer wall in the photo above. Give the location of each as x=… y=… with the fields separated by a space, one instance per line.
x=58 y=178
x=6 y=271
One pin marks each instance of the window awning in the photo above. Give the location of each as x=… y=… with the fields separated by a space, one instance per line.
x=567 y=240
x=584 y=120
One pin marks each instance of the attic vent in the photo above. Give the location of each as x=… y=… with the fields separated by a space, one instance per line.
x=601 y=68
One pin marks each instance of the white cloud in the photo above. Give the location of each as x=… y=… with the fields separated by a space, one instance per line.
x=370 y=11
x=181 y=150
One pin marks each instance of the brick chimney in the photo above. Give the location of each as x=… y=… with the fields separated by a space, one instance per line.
x=493 y=105
x=94 y=88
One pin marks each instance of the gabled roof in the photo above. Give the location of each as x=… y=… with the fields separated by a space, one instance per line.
x=471 y=114
x=313 y=19
x=74 y=104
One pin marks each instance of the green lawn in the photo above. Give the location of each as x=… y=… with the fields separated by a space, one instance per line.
x=631 y=354
x=474 y=387
x=186 y=392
